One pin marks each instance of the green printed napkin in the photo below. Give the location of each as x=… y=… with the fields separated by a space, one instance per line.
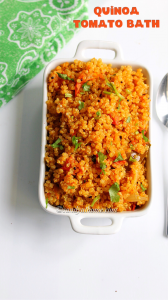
x=31 y=34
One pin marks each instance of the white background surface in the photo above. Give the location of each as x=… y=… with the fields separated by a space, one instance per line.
x=41 y=257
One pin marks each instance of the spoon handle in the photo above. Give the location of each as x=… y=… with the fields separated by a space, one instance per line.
x=167 y=215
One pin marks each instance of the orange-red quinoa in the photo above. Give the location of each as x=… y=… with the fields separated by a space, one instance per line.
x=105 y=124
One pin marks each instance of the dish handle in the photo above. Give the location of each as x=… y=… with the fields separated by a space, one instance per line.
x=82 y=46
x=110 y=229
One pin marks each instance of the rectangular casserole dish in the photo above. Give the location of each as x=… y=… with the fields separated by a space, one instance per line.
x=76 y=217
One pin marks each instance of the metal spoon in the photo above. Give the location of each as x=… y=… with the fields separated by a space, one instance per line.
x=162 y=101
x=162 y=112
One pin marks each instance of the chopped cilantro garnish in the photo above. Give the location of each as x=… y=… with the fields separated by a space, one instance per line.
x=81 y=105
x=103 y=167
x=102 y=157
x=136 y=124
x=75 y=142
x=111 y=143
x=56 y=144
x=136 y=132
x=119 y=158
x=46 y=202
x=98 y=114
x=132 y=159
x=128 y=91
x=71 y=187
x=108 y=93
x=131 y=146
x=128 y=119
x=113 y=88
x=108 y=84
x=64 y=76
x=68 y=95
x=95 y=199
x=86 y=87
x=144 y=137
x=82 y=93
x=113 y=192
x=143 y=188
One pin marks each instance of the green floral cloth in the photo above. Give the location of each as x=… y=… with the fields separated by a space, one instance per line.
x=31 y=34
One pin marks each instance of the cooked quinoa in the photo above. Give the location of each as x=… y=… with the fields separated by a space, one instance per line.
x=97 y=119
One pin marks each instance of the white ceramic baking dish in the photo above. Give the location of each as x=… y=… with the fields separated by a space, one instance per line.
x=76 y=217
